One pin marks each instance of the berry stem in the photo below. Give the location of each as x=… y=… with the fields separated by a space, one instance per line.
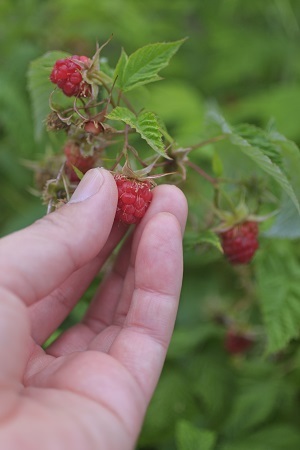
x=99 y=78
x=118 y=159
x=217 y=198
x=208 y=141
x=78 y=112
x=213 y=181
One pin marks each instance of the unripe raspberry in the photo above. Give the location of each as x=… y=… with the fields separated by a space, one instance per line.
x=240 y=243
x=93 y=127
x=67 y=75
x=74 y=157
x=134 y=198
x=237 y=342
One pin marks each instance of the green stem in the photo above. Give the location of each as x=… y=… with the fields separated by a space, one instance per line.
x=100 y=79
x=124 y=150
x=127 y=103
x=217 y=197
x=118 y=159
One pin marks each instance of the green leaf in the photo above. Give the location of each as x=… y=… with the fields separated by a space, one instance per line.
x=120 y=68
x=259 y=138
x=146 y=124
x=14 y=112
x=277 y=275
x=287 y=221
x=188 y=437
x=252 y=406
x=212 y=380
x=78 y=172
x=173 y=400
x=142 y=66
x=259 y=150
x=274 y=437
x=40 y=87
x=191 y=240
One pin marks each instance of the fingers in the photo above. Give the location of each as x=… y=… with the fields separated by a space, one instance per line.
x=142 y=343
x=100 y=316
x=167 y=199
x=120 y=284
x=47 y=314
x=78 y=337
x=117 y=289
x=14 y=340
x=42 y=256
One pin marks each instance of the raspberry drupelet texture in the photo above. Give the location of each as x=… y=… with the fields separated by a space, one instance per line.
x=134 y=198
x=67 y=75
x=240 y=243
x=74 y=157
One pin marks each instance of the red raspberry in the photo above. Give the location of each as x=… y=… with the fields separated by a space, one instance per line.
x=237 y=342
x=74 y=157
x=134 y=198
x=240 y=243
x=66 y=73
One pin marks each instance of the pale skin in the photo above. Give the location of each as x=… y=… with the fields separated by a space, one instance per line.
x=90 y=389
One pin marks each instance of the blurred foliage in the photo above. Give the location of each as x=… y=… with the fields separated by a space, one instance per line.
x=244 y=56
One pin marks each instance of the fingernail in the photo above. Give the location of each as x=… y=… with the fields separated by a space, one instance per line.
x=88 y=186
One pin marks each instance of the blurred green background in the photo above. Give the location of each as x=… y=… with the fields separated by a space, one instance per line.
x=243 y=55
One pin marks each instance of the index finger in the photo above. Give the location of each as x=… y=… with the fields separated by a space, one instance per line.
x=36 y=260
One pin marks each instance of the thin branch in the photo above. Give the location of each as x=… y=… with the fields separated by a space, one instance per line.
x=201 y=172
x=208 y=141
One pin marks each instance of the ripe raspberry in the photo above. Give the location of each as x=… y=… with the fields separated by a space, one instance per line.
x=74 y=157
x=67 y=74
x=134 y=198
x=237 y=342
x=240 y=243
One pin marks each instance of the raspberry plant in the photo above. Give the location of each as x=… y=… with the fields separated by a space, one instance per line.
x=242 y=198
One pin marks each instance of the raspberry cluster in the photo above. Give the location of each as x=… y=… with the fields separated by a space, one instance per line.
x=240 y=243
x=67 y=75
x=134 y=198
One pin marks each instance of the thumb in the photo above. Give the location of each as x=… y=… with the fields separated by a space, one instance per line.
x=39 y=258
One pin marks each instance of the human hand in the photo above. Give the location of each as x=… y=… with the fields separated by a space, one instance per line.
x=90 y=389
